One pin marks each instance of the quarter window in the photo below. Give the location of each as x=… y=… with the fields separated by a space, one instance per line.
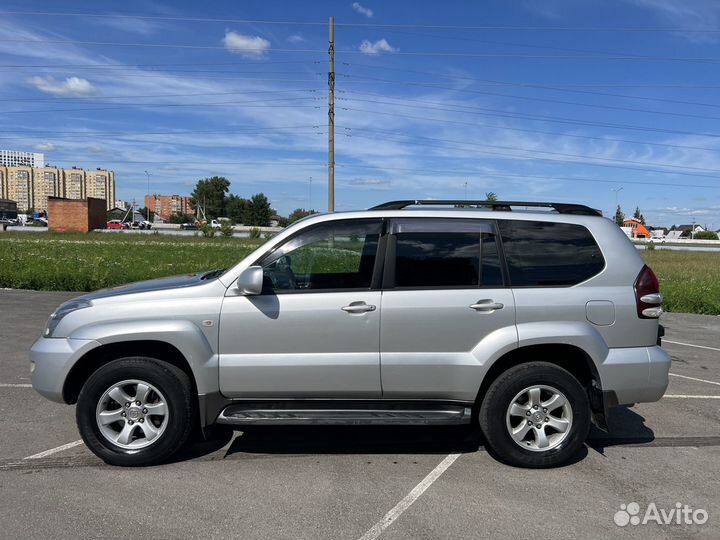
x=543 y=254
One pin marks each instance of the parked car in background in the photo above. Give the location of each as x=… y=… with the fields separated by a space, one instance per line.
x=529 y=324
x=116 y=224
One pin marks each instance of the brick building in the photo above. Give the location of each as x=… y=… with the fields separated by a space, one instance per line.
x=166 y=206
x=76 y=215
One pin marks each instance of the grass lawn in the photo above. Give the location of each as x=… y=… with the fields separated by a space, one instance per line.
x=690 y=281
x=80 y=262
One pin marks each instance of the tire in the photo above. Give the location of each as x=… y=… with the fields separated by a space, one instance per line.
x=528 y=385
x=124 y=433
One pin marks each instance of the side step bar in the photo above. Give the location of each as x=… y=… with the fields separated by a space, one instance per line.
x=310 y=413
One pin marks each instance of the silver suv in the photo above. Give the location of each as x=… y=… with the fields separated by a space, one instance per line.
x=530 y=323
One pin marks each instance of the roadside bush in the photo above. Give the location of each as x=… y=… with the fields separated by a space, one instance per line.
x=650 y=246
x=254 y=233
x=226 y=229
x=207 y=231
x=706 y=235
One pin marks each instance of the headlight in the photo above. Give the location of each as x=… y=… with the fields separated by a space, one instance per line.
x=64 y=309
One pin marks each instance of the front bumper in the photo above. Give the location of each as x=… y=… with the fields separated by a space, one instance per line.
x=51 y=360
x=635 y=374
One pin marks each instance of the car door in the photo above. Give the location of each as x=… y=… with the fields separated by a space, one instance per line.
x=314 y=331
x=443 y=294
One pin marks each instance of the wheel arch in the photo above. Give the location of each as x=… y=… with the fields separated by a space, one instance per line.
x=567 y=356
x=94 y=359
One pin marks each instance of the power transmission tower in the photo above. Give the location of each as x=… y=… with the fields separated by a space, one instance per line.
x=331 y=117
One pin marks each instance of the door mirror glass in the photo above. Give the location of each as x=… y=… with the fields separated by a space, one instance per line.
x=250 y=281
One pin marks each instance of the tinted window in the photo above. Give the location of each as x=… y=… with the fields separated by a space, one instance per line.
x=335 y=255
x=545 y=254
x=446 y=259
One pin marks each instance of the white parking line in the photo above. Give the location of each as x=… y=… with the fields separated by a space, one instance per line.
x=690 y=345
x=55 y=450
x=376 y=530
x=18 y=385
x=694 y=379
x=682 y=396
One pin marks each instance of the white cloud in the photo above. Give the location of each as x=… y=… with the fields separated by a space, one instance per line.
x=296 y=38
x=362 y=10
x=248 y=46
x=71 y=86
x=374 y=48
x=45 y=147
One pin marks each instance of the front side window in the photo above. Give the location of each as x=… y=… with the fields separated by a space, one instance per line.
x=445 y=253
x=338 y=255
x=546 y=254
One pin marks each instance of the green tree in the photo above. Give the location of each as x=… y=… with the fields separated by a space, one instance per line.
x=210 y=195
x=179 y=217
x=299 y=213
x=257 y=211
x=619 y=216
x=491 y=196
x=638 y=215
x=235 y=207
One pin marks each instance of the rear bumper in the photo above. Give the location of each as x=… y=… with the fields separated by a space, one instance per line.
x=51 y=359
x=635 y=375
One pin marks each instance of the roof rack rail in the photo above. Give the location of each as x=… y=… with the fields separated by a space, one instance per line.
x=560 y=208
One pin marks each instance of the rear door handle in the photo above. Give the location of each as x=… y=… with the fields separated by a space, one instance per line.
x=486 y=305
x=358 y=307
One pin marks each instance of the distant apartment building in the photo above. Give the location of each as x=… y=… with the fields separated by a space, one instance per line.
x=16 y=158
x=166 y=206
x=31 y=186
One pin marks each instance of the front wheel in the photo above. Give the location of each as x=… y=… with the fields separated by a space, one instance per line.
x=135 y=411
x=535 y=415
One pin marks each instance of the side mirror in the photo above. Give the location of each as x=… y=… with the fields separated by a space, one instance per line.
x=250 y=281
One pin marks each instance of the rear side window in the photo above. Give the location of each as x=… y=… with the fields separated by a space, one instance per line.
x=543 y=254
x=431 y=253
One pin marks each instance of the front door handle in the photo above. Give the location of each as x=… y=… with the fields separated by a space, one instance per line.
x=358 y=307
x=487 y=304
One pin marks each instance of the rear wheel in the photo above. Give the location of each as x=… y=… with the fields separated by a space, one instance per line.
x=535 y=415
x=135 y=411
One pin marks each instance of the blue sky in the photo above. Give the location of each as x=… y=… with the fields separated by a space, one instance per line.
x=561 y=100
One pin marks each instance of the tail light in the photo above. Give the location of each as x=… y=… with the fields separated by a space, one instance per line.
x=647 y=294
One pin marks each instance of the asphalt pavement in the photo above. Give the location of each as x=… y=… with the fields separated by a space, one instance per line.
x=361 y=482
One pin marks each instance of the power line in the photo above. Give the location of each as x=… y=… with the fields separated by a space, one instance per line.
x=533 y=176
x=556 y=133
x=158 y=18
x=163 y=105
x=554 y=87
x=501 y=113
x=543 y=47
x=563 y=85
x=536 y=28
x=530 y=98
x=261 y=50
x=124 y=66
x=120 y=134
x=587 y=163
x=61 y=99
x=362 y=25
x=258 y=50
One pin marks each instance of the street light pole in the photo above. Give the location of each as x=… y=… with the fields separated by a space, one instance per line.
x=148 y=194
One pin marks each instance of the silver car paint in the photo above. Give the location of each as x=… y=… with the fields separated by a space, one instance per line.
x=188 y=316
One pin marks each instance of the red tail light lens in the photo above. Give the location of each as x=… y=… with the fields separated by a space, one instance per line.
x=647 y=294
